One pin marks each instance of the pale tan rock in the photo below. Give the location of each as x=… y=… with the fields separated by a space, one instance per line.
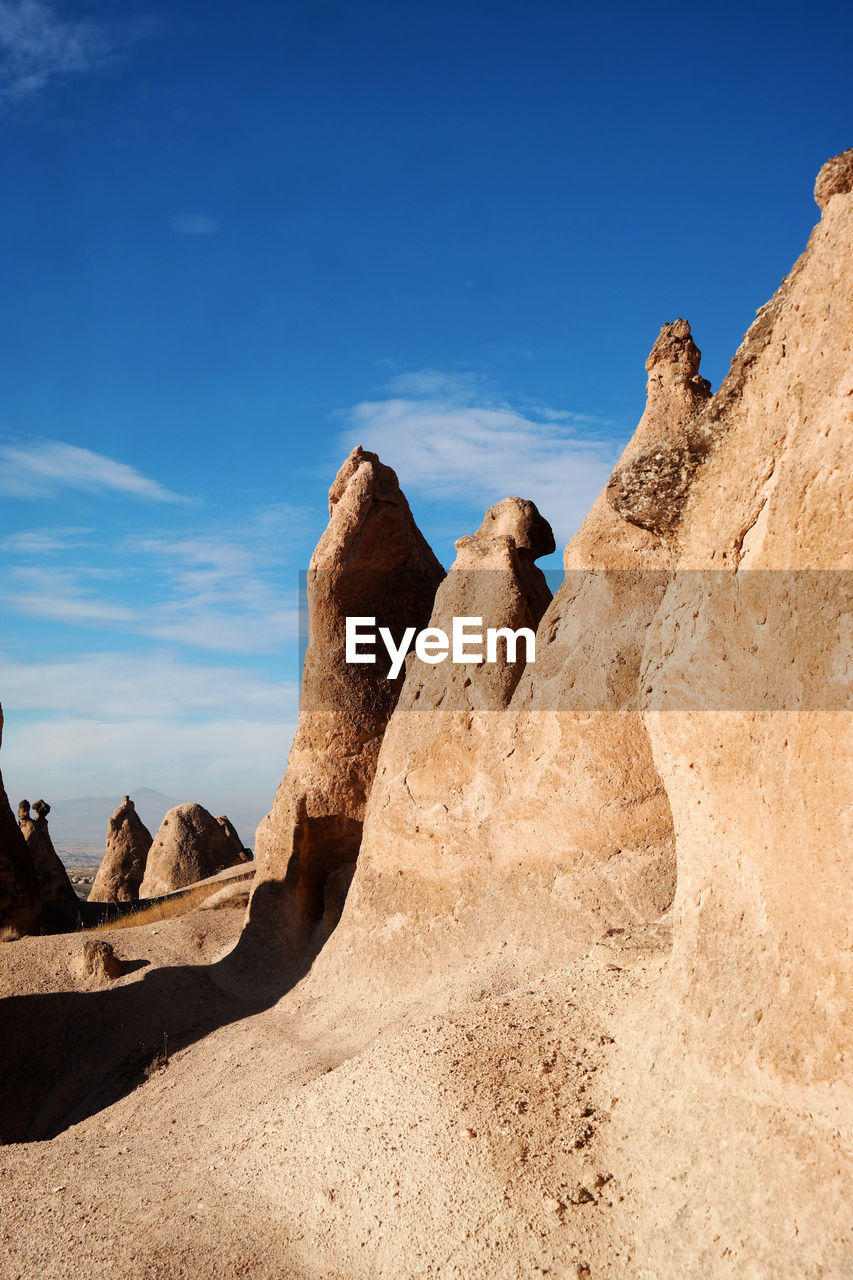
x=190 y=845
x=738 y=1051
x=494 y=577
x=834 y=179
x=372 y=561
x=54 y=884
x=123 y=864
x=753 y=638
x=19 y=893
x=504 y=797
x=96 y=963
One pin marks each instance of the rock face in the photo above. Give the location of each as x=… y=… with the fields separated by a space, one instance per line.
x=509 y=795
x=834 y=179
x=54 y=884
x=19 y=894
x=372 y=561
x=190 y=845
x=680 y=750
x=123 y=865
x=754 y=755
x=494 y=577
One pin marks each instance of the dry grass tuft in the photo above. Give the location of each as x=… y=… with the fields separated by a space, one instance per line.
x=10 y=934
x=181 y=904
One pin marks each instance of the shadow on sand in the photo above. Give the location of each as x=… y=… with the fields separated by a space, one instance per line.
x=68 y=1055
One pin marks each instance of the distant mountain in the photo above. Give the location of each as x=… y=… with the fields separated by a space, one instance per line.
x=79 y=825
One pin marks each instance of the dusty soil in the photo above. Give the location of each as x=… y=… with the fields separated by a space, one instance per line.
x=196 y=1124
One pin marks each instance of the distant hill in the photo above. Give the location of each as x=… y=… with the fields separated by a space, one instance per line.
x=79 y=825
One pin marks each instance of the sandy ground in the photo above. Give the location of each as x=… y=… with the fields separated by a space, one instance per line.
x=260 y=1149
x=197 y=1125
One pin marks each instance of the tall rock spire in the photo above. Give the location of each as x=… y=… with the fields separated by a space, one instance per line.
x=372 y=560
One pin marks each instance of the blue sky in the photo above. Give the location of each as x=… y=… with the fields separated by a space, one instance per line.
x=239 y=239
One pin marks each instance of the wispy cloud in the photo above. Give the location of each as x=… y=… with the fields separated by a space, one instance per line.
x=39 y=468
x=38 y=46
x=449 y=439
x=41 y=542
x=225 y=590
x=194 y=224
x=63 y=595
x=132 y=686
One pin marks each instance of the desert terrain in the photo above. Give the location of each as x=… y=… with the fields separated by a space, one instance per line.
x=538 y=969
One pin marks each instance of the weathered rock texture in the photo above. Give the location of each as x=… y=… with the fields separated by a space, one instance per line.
x=54 y=884
x=506 y=796
x=96 y=963
x=372 y=561
x=190 y=845
x=123 y=866
x=742 y=1051
x=674 y=1100
x=761 y=790
x=19 y=894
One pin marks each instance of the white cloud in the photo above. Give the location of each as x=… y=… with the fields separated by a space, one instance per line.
x=457 y=388
x=40 y=542
x=102 y=723
x=224 y=588
x=219 y=591
x=37 y=46
x=38 y=468
x=133 y=686
x=219 y=762
x=194 y=224
x=62 y=595
x=447 y=439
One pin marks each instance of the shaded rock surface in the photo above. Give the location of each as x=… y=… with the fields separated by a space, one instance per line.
x=834 y=179
x=190 y=845
x=372 y=561
x=19 y=892
x=123 y=866
x=53 y=881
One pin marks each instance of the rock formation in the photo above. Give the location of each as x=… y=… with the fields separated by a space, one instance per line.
x=19 y=894
x=507 y=796
x=123 y=865
x=494 y=577
x=54 y=884
x=686 y=713
x=372 y=561
x=751 y=637
x=96 y=963
x=190 y=845
x=587 y=1005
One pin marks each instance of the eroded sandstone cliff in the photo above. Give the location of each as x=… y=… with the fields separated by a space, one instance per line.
x=372 y=561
